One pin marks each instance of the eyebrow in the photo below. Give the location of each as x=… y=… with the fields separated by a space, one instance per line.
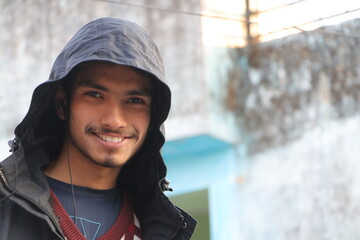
x=92 y=84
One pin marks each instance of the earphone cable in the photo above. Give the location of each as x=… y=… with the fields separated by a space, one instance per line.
x=71 y=183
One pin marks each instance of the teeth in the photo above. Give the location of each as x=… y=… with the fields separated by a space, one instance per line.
x=110 y=138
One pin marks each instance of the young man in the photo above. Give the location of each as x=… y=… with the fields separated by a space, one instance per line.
x=86 y=160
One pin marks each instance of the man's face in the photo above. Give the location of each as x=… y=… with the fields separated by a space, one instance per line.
x=109 y=114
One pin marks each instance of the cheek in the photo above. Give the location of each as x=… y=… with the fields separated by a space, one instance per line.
x=80 y=116
x=142 y=121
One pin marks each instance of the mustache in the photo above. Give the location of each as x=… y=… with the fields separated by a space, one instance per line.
x=104 y=130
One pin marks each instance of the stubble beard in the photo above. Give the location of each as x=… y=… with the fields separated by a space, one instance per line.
x=108 y=162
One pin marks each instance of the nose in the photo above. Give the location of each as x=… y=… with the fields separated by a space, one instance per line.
x=114 y=116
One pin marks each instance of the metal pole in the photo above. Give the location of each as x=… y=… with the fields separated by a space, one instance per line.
x=248 y=22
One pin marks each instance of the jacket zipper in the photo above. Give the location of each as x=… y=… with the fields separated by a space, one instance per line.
x=4 y=180
x=9 y=188
x=180 y=225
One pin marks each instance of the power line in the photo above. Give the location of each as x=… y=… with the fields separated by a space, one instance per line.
x=175 y=11
x=298 y=26
x=281 y=6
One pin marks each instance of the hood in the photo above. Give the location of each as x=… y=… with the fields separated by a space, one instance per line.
x=105 y=39
x=40 y=135
x=120 y=42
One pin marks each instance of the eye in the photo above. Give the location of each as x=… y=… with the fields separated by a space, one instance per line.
x=136 y=100
x=94 y=94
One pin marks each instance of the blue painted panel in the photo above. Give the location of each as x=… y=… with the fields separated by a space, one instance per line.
x=198 y=162
x=194 y=146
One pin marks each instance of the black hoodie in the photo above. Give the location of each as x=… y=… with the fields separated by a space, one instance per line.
x=25 y=206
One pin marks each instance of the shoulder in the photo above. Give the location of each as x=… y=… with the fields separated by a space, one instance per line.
x=17 y=223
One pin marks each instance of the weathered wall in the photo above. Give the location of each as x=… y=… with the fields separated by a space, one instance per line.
x=305 y=190
x=292 y=107
x=34 y=32
x=283 y=88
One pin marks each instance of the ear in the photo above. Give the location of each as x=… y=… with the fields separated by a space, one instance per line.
x=60 y=102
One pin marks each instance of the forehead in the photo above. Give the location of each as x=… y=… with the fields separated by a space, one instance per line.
x=112 y=75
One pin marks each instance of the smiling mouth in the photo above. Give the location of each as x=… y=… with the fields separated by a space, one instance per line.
x=111 y=139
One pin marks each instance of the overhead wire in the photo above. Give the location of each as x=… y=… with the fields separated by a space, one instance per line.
x=298 y=26
x=281 y=6
x=243 y=19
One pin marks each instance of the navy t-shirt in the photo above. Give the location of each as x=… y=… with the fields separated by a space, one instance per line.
x=96 y=210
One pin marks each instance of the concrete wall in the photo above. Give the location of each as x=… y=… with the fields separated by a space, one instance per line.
x=291 y=106
x=305 y=190
x=34 y=32
x=280 y=89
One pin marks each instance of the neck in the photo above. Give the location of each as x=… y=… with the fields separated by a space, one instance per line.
x=81 y=173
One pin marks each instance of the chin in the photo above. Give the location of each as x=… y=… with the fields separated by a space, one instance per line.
x=109 y=163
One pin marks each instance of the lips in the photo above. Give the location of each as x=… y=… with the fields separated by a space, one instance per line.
x=111 y=139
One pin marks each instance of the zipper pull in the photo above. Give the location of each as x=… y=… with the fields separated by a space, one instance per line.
x=13 y=144
x=164 y=184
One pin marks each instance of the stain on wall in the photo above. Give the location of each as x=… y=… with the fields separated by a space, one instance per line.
x=280 y=89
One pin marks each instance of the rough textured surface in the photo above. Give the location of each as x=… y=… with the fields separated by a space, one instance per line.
x=296 y=105
x=291 y=109
x=306 y=190
x=282 y=88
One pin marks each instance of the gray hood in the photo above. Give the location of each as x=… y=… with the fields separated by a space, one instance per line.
x=105 y=39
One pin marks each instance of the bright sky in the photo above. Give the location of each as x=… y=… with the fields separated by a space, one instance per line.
x=229 y=32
